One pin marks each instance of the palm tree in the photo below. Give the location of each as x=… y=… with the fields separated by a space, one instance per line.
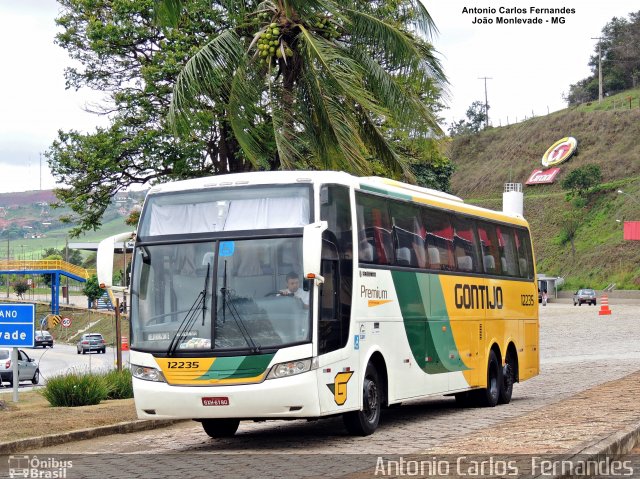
x=312 y=83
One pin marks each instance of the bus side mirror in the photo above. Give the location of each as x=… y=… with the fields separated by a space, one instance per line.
x=312 y=249
x=105 y=258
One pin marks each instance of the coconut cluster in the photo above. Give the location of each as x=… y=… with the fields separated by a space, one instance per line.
x=326 y=28
x=270 y=44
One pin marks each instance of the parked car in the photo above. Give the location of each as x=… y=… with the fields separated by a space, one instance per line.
x=584 y=296
x=27 y=367
x=91 y=342
x=44 y=339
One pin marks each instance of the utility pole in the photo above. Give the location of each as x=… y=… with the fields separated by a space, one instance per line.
x=486 y=102
x=599 y=67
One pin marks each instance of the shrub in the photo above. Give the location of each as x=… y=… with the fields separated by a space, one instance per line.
x=119 y=384
x=76 y=389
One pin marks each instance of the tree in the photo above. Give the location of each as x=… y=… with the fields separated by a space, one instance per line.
x=92 y=289
x=620 y=57
x=20 y=287
x=581 y=181
x=121 y=52
x=307 y=83
x=476 y=116
x=338 y=74
x=571 y=221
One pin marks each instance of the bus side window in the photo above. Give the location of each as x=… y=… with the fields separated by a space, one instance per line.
x=524 y=253
x=489 y=248
x=408 y=235
x=465 y=245
x=374 y=229
x=508 y=251
x=439 y=239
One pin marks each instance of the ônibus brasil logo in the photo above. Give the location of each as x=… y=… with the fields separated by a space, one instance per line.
x=560 y=151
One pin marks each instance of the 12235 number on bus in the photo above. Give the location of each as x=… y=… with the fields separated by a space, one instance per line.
x=183 y=365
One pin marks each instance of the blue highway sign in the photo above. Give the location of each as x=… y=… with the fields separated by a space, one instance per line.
x=17 y=325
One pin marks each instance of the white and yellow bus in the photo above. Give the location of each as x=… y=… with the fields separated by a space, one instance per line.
x=403 y=292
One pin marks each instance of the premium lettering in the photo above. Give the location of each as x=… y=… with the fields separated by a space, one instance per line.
x=473 y=296
x=373 y=293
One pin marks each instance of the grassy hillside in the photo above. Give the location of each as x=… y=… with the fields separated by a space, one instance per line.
x=608 y=138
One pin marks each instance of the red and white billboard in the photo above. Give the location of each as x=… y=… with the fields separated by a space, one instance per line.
x=541 y=177
x=632 y=230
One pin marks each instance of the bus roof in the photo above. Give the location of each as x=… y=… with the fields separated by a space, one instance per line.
x=384 y=186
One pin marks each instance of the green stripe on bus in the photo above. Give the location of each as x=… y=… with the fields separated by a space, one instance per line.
x=418 y=295
x=238 y=367
x=382 y=191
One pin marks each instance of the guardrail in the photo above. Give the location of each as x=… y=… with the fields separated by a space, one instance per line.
x=44 y=264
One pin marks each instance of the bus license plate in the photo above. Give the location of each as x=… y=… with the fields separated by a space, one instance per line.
x=215 y=401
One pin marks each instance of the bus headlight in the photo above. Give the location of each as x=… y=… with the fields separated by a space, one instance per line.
x=291 y=368
x=147 y=374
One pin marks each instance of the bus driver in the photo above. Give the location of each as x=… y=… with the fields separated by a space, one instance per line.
x=293 y=289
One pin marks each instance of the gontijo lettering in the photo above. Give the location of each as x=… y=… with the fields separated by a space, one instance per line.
x=473 y=296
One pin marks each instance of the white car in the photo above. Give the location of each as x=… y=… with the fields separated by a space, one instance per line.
x=27 y=367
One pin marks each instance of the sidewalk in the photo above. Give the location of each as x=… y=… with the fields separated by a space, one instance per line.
x=596 y=423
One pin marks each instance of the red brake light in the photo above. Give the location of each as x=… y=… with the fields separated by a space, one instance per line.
x=85 y=342
x=8 y=364
x=102 y=341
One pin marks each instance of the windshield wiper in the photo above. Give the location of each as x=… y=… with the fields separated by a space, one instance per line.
x=190 y=317
x=227 y=300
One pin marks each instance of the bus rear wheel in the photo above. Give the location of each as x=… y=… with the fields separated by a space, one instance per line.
x=488 y=397
x=508 y=378
x=219 y=428
x=365 y=422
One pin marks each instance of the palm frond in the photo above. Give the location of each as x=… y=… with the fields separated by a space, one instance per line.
x=205 y=77
x=288 y=143
x=403 y=105
x=340 y=67
x=166 y=13
x=246 y=116
x=423 y=21
x=397 y=46
x=333 y=123
x=380 y=147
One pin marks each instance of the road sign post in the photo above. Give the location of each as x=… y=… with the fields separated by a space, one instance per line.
x=17 y=329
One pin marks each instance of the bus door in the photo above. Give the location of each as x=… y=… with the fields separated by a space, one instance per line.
x=339 y=381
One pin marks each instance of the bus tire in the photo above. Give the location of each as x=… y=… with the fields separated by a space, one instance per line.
x=508 y=378
x=219 y=428
x=365 y=422
x=488 y=397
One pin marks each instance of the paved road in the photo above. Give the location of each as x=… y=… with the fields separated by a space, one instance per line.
x=579 y=349
x=63 y=358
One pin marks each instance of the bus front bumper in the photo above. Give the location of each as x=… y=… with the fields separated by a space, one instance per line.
x=290 y=397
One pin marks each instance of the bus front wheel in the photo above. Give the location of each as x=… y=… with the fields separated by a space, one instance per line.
x=365 y=421
x=218 y=428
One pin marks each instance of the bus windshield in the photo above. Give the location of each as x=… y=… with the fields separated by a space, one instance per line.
x=219 y=295
x=225 y=209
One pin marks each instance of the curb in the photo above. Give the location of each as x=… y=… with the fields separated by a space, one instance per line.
x=615 y=445
x=81 y=434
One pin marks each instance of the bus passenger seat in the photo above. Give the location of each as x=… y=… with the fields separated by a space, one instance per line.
x=489 y=263
x=434 y=255
x=403 y=256
x=366 y=252
x=465 y=263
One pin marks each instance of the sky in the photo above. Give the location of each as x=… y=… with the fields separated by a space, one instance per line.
x=530 y=66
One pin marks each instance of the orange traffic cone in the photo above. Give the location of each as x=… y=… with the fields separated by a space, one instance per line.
x=125 y=343
x=604 y=306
